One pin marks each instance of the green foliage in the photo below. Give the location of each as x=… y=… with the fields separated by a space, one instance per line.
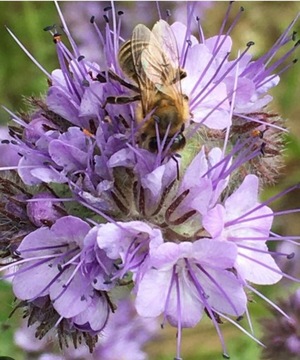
x=8 y=325
x=19 y=75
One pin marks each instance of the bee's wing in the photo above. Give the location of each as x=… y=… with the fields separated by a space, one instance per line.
x=139 y=42
x=167 y=43
x=141 y=38
x=160 y=59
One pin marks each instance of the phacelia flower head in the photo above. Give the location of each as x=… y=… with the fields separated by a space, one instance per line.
x=143 y=173
x=281 y=333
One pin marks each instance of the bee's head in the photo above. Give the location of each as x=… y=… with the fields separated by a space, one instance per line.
x=178 y=142
x=167 y=122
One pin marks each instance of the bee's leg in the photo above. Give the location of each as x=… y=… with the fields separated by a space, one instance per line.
x=101 y=77
x=116 y=77
x=121 y=100
x=177 y=163
x=182 y=74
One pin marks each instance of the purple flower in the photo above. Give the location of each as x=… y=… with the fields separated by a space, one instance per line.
x=51 y=260
x=190 y=278
x=245 y=222
x=9 y=153
x=42 y=210
x=130 y=242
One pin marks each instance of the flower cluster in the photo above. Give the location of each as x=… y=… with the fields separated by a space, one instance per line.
x=93 y=211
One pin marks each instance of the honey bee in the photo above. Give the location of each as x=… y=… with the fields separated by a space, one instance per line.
x=151 y=60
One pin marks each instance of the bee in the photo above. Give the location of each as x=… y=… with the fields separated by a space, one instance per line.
x=151 y=60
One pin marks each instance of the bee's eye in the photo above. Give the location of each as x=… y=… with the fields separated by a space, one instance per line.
x=178 y=143
x=152 y=144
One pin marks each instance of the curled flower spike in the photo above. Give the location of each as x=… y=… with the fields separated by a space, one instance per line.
x=128 y=331
x=281 y=333
x=140 y=175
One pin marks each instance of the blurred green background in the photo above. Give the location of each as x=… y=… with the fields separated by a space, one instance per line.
x=262 y=22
